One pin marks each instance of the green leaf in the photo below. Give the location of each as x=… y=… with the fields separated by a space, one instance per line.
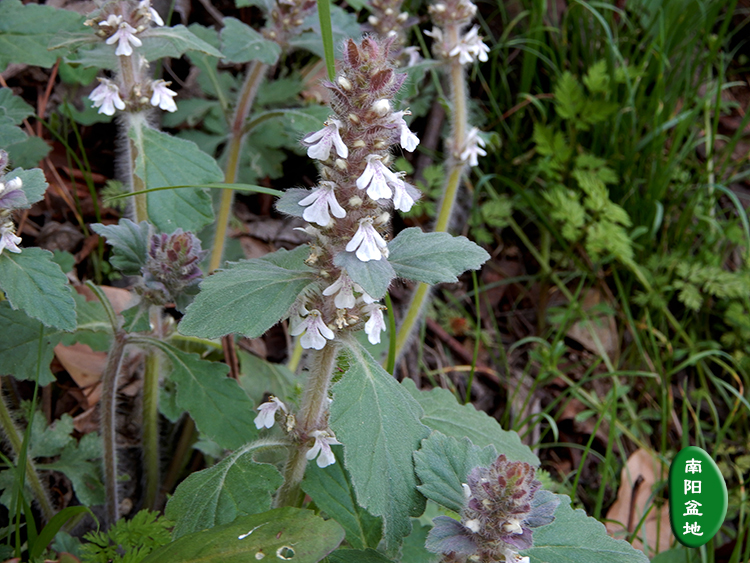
x=343 y=25
x=373 y=276
x=34 y=184
x=241 y=43
x=49 y=441
x=433 y=257
x=289 y=202
x=443 y=413
x=26 y=30
x=47 y=535
x=249 y=297
x=573 y=536
x=236 y=486
x=597 y=111
x=25 y=345
x=332 y=492
x=569 y=97
x=217 y=404
x=81 y=464
x=378 y=423
x=163 y=160
x=267 y=5
x=258 y=377
x=444 y=462
x=28 y=152
x=10 y=135
x=130 y=242
x=597 y=78
x=297 y=535
x=326 y=34
x=358 y=556
x=414 y=550
x=12 y=108
x=34 y=283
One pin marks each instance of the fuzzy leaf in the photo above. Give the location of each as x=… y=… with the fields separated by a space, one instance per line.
x=236 y=486
x=34 y=283
x=217 y=404
x=13 y=109
x=289 y=202
x=130 y=242
x=249 y=297
x=449 y=535
x=80 y=462
x=280 y=534
x=258 y=377
x=573 y=536
x=433 y=257
x=332 y=492
x=443 y=463
x=374 y=276
x=26 y=346
x=443 y=413
x=378 y=423
x=26 y=30
x=241 y=43
x=28 y=152
x=33 y=184
x=164 y=160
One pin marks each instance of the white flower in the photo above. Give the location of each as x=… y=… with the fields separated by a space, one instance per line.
x=113 y=20
x=323 y=442
x=414 y=56
x=8 y=238
x=106 y=97
x=472 y=147
x=124 y=37
x=401 y=198
x=409 y=140
x=267 y=415
x=376 y=324
x=320 y=142
x=11 y=194
x=145 y=5
x=513 y=526
x=320 y=202
x=436 y=33
x=367 y=242
x=162 y=96
x=378 y=179
x=473 y=525
x=315 y=331
x=344 y=289
x=470 y=47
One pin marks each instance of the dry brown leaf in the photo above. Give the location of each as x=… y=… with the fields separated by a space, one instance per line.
x=120 y=298
x=639 y=476
x=83 y=364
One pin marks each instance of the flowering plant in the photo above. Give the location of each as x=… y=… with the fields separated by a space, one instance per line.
x=385 y=453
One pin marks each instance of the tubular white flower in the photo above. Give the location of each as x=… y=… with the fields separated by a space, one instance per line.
x=409 y=140
x=344 y=289
x=155 y=17
x=162 y=96
x=470 y=47
x=124 y=37
x=472 y=147
x=11 y=194
x=320 y=202
x=414 y=56
x=376 y=324
x=401 y=198
x=378 y=179
x=367 y=242
x=320 y=142
x=323 y=442
x=106 y=97
x=267 y=415
x=8 y=238
x=315 y=331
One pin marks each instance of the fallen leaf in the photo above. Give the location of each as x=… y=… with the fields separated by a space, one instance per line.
x=603 y=326
x=637 y=481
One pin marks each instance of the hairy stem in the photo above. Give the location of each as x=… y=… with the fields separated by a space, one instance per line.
x=151 y=416
x=107 y=422
x=16 y=443
x=312 y=416
x=454 y=173
x=130 y=77
x=256 y=71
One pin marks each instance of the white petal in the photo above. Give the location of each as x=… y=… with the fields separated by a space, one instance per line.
x=364 y=180
x=357 y=239
x=320 y=150
x=326 y=456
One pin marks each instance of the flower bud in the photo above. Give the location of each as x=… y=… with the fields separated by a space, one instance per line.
x=344 y=83
x=382 y=107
